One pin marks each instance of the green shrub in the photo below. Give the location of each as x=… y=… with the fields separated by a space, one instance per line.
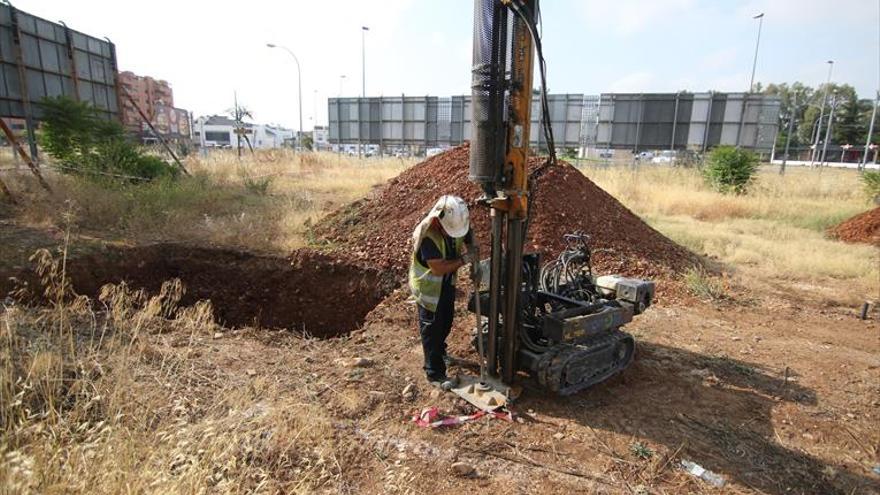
x=730 y=169
x=871 y=183
x=85 y=143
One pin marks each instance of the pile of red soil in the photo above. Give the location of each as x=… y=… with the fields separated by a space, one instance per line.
x=378 y=229
x=864 y=227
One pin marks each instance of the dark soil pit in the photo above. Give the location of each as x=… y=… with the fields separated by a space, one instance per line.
x=308 y=291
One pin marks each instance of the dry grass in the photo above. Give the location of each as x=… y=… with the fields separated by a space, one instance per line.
x=778 y=229
x=263 y=202
x=90 y=402
x=126 y=394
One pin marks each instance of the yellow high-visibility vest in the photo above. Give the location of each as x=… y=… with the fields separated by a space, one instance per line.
x=424 y=285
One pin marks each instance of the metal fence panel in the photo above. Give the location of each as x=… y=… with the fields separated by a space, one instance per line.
x=624 y=121
x=51 y=60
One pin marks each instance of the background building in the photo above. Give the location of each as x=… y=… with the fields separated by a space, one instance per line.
x=218 y=131
x=321 y=137
x=155 y=99
x=147 y=93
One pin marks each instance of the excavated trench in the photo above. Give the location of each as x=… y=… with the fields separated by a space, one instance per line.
x=308 y=291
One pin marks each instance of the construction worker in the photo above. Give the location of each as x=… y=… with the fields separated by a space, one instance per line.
x=438 y=242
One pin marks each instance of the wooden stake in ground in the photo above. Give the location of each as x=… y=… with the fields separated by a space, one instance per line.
x=16 y=146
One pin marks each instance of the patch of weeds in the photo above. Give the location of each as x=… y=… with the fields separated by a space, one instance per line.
x=743 y=369
x=703 y=285
x=871 y=184
x=258 y=186
x=641 y=450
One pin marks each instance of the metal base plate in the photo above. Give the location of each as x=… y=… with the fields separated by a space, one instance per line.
x=487 y=396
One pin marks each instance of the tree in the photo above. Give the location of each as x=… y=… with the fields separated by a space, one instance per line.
x=75 y=134
x=307 y=142
x=851 y=119
x=849 y=125
x=794 y=101
x=239 y=113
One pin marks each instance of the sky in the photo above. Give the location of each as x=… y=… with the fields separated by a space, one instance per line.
x=209 y=50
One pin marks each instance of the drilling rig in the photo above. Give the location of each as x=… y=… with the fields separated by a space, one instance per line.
x=558 y=323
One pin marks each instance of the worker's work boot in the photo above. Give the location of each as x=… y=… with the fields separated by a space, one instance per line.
x=446 y=384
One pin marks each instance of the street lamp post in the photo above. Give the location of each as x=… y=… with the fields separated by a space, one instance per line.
x=364 y=30
x=818 y=131
x=870 y=131
x=828 y=130
x=299 y=88
x=315 y=106
x=791 y=116
x=745 y=102
x=760 y=18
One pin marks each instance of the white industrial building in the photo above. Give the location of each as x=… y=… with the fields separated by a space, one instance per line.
x=321 y=137
x=218 y=131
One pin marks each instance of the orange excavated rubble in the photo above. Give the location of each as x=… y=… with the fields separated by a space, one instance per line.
x=864 y=227
x=377 y=229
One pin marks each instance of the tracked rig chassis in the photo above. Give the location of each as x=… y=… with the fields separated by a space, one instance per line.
x=567 y=345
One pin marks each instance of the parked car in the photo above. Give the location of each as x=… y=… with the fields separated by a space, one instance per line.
x=667 y=156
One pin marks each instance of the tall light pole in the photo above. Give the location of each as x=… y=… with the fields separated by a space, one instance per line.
x=870 y=131
x=745 y=101
x=299 y=87
x=791 y=116
x=760 y=18
x=828 y=129
x=364 y=30
x=818 y=131
x=315 y=107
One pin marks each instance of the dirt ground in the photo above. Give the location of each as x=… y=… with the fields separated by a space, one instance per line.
x=775 y=388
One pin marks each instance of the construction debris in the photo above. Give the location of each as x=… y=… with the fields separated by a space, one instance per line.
x=704 y=474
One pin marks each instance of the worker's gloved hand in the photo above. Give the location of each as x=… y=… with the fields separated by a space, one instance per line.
x=468 y=258
x=476 y=272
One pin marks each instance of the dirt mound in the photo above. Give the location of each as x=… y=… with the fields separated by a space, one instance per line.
x=378 y=229
x=864 y=227
x=307 y=291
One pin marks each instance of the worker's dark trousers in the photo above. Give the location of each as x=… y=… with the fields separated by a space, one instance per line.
x=434 y=327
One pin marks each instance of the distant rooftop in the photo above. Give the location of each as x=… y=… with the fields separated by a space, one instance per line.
x=219 y=120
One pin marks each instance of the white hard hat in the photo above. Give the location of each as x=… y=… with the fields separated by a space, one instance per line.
x=453 y=214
